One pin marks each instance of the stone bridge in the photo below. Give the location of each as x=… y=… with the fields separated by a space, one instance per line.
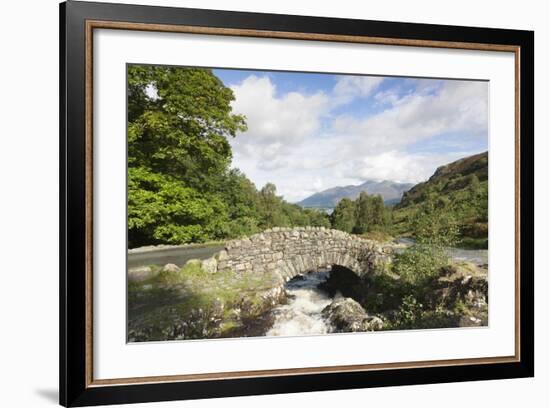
x=289 y=252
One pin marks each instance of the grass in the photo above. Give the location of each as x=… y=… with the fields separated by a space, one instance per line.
x=461 y=309
x=380 y=236
x=223 y=286
x=194 y=297
x=473 y=243
x=191 y=270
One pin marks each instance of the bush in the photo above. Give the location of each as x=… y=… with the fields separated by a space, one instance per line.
x=419 y=264
x=408 y=314
x=434 y=229
x=476 y=230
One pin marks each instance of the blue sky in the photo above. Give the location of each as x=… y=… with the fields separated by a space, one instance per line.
x=308 y=132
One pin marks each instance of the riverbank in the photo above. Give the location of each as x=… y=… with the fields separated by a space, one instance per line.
x=190 y=303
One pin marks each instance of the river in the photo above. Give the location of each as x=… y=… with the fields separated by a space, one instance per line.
x=302 y=314
x=476 y=256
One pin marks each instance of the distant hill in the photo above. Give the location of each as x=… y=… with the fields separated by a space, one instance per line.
x=449 y=178
x=390 y=191
x=462 y=187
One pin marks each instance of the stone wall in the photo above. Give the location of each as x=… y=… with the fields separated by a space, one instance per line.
x=288 y=252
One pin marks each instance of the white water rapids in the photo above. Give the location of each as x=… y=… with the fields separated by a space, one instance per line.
x=302 y=314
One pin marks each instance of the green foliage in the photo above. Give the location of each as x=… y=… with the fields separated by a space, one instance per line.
x=409 y=313
x=460 y=308
x=461 y=189
x=376 y=213
x=364 y=215
x=418 y=264
x=414 y=315
x=378 y=235
x=434 y=229
x=242 y=201
x=271 y=208
x=411 y=290
x=474 y=243
x=163 y=210
x=433 y=225
x=316 y=218
x=179 y=120
x=180 y=186
x=193 y=303
x=385 y=292
x=275 y=212
x=343 y=216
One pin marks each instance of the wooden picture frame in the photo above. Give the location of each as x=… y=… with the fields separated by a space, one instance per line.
x=78 y=20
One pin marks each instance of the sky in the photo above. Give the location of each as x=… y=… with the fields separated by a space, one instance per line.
x=309 y=132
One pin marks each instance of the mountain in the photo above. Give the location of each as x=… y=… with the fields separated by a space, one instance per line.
x=390 y=191
x=461 y=188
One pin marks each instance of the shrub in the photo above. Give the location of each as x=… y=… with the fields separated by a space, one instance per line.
x=409 y=313
x=419 y=264
x=434 y=229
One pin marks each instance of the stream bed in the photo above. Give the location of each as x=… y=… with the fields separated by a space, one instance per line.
x=302 y=314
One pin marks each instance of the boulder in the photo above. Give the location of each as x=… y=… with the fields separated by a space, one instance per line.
x=463 y=282
x=346 y=315
x=140 y=274
x=210 y=265
x=375 y=323
x=222 y=255
x=170 y=268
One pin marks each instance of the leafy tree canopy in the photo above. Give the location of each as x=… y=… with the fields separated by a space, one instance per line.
x=180 y=185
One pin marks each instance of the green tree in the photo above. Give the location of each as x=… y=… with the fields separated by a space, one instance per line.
x=241 y=198
x=434 y=229
x=343 y=216
x=473 y=184
x=362 y=213
x=179 y=122
x=163 y=210
x=270 y=207
x=434 y=225
x=376 y=211
x=317 y=218
x=180 y=185
x=295 y=214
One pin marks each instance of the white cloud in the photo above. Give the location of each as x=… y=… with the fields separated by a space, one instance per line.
x=349 y=87
x=386 y=97
x=296 y=142
x=401 y=166
x=275 y=123
x=458 y=106
x=318 y=183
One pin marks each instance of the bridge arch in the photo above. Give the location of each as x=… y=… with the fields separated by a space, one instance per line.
x=288 y=252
